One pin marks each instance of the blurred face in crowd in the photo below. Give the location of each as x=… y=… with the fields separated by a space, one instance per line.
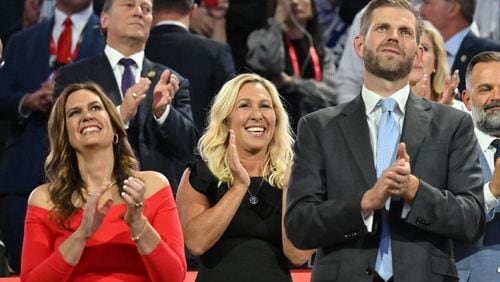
x=428 y=57
x=483 y=97
x=389 y=47
x=425 y=65
x=72 y=6
x=253 y=119
x=301 y=9
x=128 y=20
x=435 y=11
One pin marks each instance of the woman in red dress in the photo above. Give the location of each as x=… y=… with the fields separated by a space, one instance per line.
x=98 y=217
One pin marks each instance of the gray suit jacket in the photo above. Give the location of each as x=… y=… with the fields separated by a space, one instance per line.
x=334 y=166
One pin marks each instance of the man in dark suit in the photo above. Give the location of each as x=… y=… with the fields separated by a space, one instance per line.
x=156 y=108
x=394 y=220
x=453 y=19
x=27 y=88
x=481 y=261
x=207 y=64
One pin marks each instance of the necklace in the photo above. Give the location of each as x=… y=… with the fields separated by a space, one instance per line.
x=90 y=194
x=253 y=198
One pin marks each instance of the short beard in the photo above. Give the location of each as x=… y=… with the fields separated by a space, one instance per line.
x=374 y=66
x=488 y=123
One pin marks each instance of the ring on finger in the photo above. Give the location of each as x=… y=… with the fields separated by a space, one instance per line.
x=138 y=205
x=134 y=95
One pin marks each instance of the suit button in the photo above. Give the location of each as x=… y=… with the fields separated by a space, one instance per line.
x=498 y=270
x=369 y=271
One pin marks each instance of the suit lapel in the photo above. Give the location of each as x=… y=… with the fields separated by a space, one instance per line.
x=103 y=73
x=355 y=130
x=416 y=123
x=89 y=42
x=41 y=60
x=463 y=53
x=151 y=71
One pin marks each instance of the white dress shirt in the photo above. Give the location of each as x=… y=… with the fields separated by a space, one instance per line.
x=484 y=141
x=78 y=20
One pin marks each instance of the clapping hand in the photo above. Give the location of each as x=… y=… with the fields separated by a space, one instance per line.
x=240 y=174
x=41 y=99
x=401 y=173
x=133 y=98
x=93 y=212
x=164 y=92
x=133 y=195
x=450 y=88
x=396 y=181
x=494 y=184
x=423 y=88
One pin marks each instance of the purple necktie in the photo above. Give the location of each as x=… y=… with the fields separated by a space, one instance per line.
x=127 y=76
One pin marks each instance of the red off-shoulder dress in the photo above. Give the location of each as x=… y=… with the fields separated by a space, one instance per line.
x=110 y=254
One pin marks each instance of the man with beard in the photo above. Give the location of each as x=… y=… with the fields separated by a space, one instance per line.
x=480 y=262
x=381 y=186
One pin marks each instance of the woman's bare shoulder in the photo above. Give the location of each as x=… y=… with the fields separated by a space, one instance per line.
x=154 y=181
x=40 y=197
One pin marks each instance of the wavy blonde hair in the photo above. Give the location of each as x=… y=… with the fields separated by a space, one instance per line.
x=214 y=142
x=441 y=67
x=61 y=166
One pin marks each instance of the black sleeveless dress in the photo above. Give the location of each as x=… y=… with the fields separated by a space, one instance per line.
x=251 y=248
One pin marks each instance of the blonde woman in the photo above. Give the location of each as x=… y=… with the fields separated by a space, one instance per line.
x=429 y=77
x=231 y=200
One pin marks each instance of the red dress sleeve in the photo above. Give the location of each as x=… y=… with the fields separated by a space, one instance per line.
x=167 y=261
x=43 y=263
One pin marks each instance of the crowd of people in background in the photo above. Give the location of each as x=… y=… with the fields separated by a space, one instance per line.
x=228 y=135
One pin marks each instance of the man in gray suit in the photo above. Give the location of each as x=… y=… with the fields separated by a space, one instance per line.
x=481 y=261
x=372 y=217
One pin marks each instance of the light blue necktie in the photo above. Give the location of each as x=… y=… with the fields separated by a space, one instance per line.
x=387 y=141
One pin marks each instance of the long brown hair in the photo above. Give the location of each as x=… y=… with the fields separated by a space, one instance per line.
x=61 y=167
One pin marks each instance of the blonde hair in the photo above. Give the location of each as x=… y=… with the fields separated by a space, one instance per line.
x=213 y=144
x=438 y=77
x=61 y=166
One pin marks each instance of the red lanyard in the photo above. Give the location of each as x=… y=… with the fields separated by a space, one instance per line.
x=295 y=61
